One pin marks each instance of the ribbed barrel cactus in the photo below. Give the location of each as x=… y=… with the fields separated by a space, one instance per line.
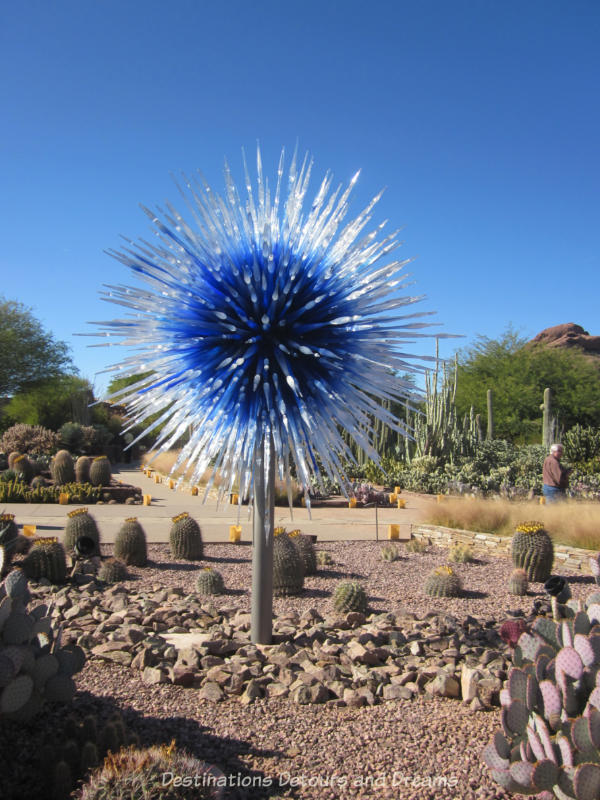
x=533 y=551
x=210 y=581
x=288 y=571
x=46 y=559
x=130 y=543
x=113 y=571
x=443 y=582
x=306 y=551
x=9 y=536
x=62 y=468
x=550 y=743
x=82 y=469
x=81 y=523
x=24 y=469
x=350 y=596
x=185 y=538
x=100 y=471
x=518 y=583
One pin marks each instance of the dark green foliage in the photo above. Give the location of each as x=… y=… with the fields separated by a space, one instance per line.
x=350 y=596
x=306 y=551
x=100 y=471
x=130 y=543
x=63 y=469
x=443 y=582
x=210 y=581
x=518 y=374
x=16 y=492
x=113 y=571
x=46 y=560
x=81 y=523
x=82 y=469
x=89 y=757
x=63 y=781
x=71 y=436
x=533 y=551
x=288 y=572
x=185 y=538
x=581 y=444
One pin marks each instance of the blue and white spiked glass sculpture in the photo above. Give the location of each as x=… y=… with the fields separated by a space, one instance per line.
x=263 y=321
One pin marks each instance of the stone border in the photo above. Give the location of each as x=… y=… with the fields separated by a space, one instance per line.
x=575 y=558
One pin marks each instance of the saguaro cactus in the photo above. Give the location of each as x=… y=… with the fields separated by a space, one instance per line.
x=490 y=414
x=547 y=421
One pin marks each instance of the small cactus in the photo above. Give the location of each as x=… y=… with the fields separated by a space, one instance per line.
x=130 y=543
x=416 y=546
x=461 y=554
x=100 y=471
x=288 y=570
x=389 y=552
x=533 y=551
x=62 y=468
x=443 y=582
x=350 y=596
x=210 y=581
x=518 y=582
x=46 y=559
x=324 y=558
x=82 y=469
x=113 y=571
x=185 y=538
x=306 y=551
x=81 y=523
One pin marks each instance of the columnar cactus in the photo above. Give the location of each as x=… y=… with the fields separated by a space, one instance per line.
x=100 y=471
x=81 y=523
x=533 y=551
x=82 y=469
x=306 y=551
x=62 y=468
x=113 y=571
x=551 y=708
x=210 y=581
x=46 y=559
x=130 y=543
x=350 y=596
x=443 y=582
x=186 y=538
x=288 y=571
x=518 y=582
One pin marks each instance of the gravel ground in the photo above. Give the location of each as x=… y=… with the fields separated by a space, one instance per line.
x=408 y=749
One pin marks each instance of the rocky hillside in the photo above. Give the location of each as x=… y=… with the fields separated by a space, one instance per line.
x=569 y=335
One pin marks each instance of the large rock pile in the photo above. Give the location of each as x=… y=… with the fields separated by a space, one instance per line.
x=349 y=660
x=568 y=335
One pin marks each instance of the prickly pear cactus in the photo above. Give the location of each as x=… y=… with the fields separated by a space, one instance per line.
x=306 y=551
x=350 y=596
x=389 y=552
x=443 y=582
x=130 y=543
x=62 y=468
x=81 y=523
x=550 y=742
x=100 y=471
x=46 y=559
x=210 y=581
x=113 y=571
x=518 y=583
x=533 y=551
x=288 y=571
x=185 y=538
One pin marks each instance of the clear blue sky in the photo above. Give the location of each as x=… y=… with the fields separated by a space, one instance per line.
x=482 y=119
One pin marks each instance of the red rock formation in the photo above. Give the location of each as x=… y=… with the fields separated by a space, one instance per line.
x=568 y=335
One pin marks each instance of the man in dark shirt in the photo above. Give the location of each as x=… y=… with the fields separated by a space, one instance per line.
x=555 y=478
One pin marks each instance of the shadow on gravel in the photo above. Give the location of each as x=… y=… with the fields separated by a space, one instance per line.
x=333 y=573
x=473 y=594
x=227 y=560
x=24 y=778
x=315 y=593
x=191 y=566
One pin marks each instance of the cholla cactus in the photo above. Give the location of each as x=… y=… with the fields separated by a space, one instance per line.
x=533 y=551
x=350 y=596
x=551 y=709
x=443 y=582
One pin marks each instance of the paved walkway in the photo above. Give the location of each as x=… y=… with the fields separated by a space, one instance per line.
x=328 y=524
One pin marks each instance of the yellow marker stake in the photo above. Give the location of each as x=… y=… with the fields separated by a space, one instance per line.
x=352 y=502
x=29 y=530
x=401 y=503
x=147 y=499
x=393 y=531
x=235 y=533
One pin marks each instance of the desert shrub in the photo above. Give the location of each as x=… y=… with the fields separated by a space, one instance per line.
x=29 y=439
x=581 y=444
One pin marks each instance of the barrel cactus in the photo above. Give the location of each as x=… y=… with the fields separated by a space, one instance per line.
x=9 y=536
x=100 y=471
x=130 y=543
x=306 y=551
x=82 y=469
x=533 y=551
x=210 y=581
x=62 y=468
x=350 y=596
x=81 y=523
x=113 y=571
x=288 y=572
x=185 y=538
x=12 y=457
x=23 y=468
x=443 y=582
x=518 y=583
x=389 y=552
x=550 y=741
x=46 y=559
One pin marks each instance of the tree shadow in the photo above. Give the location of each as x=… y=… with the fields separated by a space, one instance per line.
x=473 y=594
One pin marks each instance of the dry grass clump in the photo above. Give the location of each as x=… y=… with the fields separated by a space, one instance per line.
x=570 y=522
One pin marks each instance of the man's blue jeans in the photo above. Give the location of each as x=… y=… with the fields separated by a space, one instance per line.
x=552 y=493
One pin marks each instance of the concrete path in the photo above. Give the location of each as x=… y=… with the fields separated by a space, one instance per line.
x=328 y=524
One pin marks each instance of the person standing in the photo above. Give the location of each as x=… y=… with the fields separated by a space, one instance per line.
x=555 y=477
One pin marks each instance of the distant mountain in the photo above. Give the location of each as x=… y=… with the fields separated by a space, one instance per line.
x=569 y=335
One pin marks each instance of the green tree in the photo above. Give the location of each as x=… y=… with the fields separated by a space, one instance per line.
x=50 y=403
x=29 y=354
x=517 y=373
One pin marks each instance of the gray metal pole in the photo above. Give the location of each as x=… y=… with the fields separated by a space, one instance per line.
x=261 y=617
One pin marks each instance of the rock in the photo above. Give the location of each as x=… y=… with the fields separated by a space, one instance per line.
x=182 y=675
x=252 y=692
x=568 y=335
x=276 y=689
x=153 y=675
x=353 y=699
x=392 y=691
x=444 y=686
x=211 y=691
x=218 y=675
x=469 y=679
